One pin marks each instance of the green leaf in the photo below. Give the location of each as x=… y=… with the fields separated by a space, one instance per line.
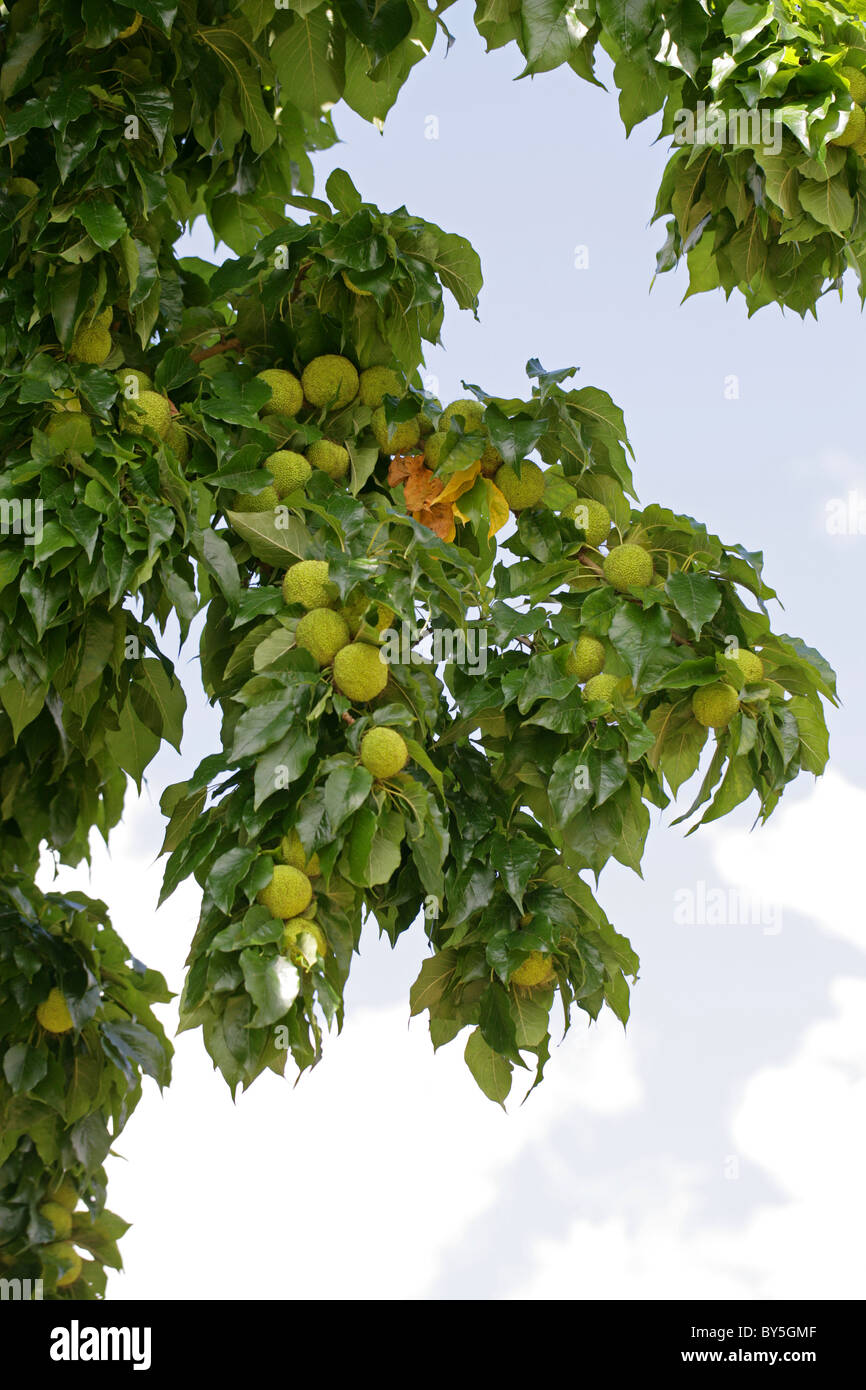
x=132 y=745
x=276 y=538
x=696 y=598
x=346 y=789
x=308 y=62
x=679 y=739
x=167 y=694
x=814 y=738
x=228 y=871
x=273 y=984
x=435 y=975
x=491 y=1072
x=103 y=222
x=24 y=1067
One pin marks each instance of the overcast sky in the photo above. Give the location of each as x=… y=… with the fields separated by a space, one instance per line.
x=717 y=1148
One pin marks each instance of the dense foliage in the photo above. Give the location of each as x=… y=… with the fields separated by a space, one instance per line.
x=554 y=655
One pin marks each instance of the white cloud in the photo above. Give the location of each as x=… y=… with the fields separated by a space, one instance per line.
x=809 y=858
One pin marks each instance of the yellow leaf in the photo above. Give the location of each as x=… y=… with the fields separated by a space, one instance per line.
x=497 y=508
x=459 y=483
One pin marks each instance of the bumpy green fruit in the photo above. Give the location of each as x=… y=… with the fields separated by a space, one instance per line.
x=149 y=410
x=591 y=517
x=376 y=383
x=355 y=612
x=287 y=395
x=433 y=449
x=288 y=470
x=322 y=632
x=53 y=1014
x=263 y=501
x=330 y=381
x=292 y=852
x=66 y=1194
x=307 y=583
x=524 y=491
x=856 y=81
x=397 y=438
x=91 y=345
x=331 y=458
x=105 y=317
x=288 y=894
x=537 y=969
x=714 y=706
x=65 y=1252
x=304 y=942
x=60 y=1218
x=854 y=130
x=602 y=687
x=627 y=566
x=750 y=664
x=471 y=412
x=384 y=752
x=132 y=382
x=177 y=441
x=491 y=461
x=585 y=658
x=360 y=671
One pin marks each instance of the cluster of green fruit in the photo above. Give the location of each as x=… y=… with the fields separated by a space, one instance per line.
x=630 y=566
x=359 y=669
x=143 y=410
x=58 y=1209
x=328 y=383
x=854 y=134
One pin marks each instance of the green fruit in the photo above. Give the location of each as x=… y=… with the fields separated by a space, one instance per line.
x=601 y=687
x=433 y=449
x=288 y=894
x=288 y=470
x=53 y=1014
x=67 y=1255
x=292 y=852
x=322 y=632
x=304 y=942
x=360 y=671
x=105 y=317
x=537 y=969
x=591 y=517
x=77 y=433
x=148 y=411
x=91 y=345
x=356 y=610
x=715 y=705
x=585 y=658
x=263 y=501
x=627 y=566
x=330 y=458
x=60 y=1218
x=471 y=413
x=397 y=438
x=856 y=82
x=66 y=1194
x=854 y=130
x=307 y=582
x=376 y=383
x=524 y=491
x=287 y=396
x=384 y=752
x=177 y=441
x=330 y=381
x=132 y=382
x=491 y=461
x=750 y=664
